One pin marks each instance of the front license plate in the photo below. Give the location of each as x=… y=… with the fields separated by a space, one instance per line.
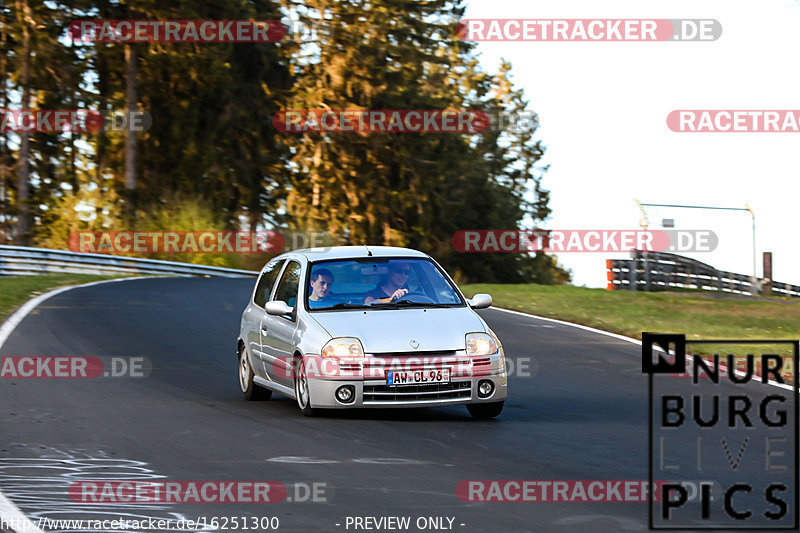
x=418 y=377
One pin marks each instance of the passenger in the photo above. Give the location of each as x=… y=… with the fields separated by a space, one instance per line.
x=392 y=287
x=321 y=285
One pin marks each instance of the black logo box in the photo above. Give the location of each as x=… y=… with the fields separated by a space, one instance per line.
x=674 y=345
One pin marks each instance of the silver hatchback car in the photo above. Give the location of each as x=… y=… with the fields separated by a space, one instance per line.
x=378 y=326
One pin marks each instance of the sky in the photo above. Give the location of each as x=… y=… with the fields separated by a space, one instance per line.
x=603 y=108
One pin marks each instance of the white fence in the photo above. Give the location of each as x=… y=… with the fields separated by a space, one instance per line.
x=653 y=271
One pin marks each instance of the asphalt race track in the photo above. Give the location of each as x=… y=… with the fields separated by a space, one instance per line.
x=581 y=414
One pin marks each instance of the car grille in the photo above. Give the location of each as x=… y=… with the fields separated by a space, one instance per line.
x=418 y=361
x=478 y=362
x=435 y=353
x=455 y=390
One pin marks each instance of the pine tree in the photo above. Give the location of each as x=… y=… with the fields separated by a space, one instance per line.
x=410 y=189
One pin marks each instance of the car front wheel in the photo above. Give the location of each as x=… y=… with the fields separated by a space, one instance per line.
x=483 y=411
x=301 y=389
x=251 y=391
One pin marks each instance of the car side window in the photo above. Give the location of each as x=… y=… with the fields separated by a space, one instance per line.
x=266 y=282
x=289 y=284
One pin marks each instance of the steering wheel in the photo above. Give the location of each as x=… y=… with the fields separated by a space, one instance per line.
x=417 y=297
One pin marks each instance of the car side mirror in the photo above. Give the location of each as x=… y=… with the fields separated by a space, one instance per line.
x=480 y=301
x=278 y=308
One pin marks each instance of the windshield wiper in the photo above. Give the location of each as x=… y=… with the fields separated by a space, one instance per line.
x=345 y=305
x=409 y=303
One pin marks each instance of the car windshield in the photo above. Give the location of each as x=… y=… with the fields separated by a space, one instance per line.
x=379 y=283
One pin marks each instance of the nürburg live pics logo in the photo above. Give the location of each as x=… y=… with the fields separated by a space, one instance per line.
x=730 y=430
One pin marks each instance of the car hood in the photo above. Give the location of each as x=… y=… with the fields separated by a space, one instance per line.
x=392 y=330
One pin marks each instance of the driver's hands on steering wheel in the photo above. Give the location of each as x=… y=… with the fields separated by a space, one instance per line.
x=399 y=293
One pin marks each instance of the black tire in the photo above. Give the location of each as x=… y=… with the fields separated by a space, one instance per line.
x=301 y=392
x=482 y=411
x=252 y=392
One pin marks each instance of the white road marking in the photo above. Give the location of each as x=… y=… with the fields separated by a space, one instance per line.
x=362 y=460
x=579 y=326
x=624 y=523
x=42 y=485
x=300 y=460
x=389 y=461
x=622 y=338
x=9 y=512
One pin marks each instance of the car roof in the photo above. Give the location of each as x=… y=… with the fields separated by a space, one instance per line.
x=357 y=252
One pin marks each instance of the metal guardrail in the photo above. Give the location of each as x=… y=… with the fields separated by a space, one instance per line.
x=25 y=261
x=652 y=271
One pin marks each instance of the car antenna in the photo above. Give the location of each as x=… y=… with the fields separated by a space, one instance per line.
x=369 y=253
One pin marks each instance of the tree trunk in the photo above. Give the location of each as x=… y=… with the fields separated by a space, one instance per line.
x=4 y=155
x=102 y=89
x=130 y=137
x=23 y=167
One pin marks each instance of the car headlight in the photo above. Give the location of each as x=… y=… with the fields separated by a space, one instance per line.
x=499 y=347
x=481 y=344
x=343 y=347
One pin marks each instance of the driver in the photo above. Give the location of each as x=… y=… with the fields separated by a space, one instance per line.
x=393 y=286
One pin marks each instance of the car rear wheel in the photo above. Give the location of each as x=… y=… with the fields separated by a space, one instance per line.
x=483 y=411
x=251 y=391
x=301 y=391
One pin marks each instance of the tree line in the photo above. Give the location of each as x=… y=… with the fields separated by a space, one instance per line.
x=212 y=158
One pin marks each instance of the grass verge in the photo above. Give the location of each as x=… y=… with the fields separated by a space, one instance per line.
x=707 y=316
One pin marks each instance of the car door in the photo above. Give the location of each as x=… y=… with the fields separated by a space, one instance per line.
x=277 y=336
x=255 y=316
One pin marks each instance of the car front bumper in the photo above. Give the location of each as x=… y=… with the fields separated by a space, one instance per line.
x=369 y=382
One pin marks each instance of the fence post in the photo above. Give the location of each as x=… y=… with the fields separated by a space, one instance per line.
x=766 y=286
x=632 y=274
